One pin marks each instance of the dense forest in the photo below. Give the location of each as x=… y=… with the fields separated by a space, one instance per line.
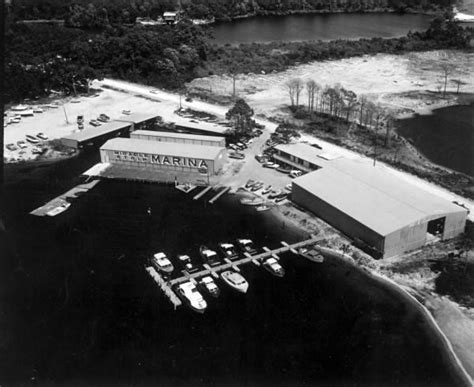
x=125 y=11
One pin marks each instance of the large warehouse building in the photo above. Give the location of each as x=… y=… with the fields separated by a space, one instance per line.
x=180 y=138
x=163 y=156
x=386 y=214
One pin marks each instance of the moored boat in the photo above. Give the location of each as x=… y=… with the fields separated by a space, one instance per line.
x=228 y=250
x=251 y=202
x=187 y=264
x=246 y=245
x=162 y=263
x=191 y=296
x=59 y=209
x=262 y=208
x=272 y=266
x=312 y=255
x=235 y=281
x=209 y=256
x=210 y=286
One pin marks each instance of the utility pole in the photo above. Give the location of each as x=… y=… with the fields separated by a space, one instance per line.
x=67 y=121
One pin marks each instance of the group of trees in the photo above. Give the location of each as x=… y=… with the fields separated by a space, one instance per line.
x=41 y=58
x=124 y=11
x=240 y=115
x=340 y=104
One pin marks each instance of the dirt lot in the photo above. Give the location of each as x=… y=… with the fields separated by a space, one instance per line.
x=384 y=78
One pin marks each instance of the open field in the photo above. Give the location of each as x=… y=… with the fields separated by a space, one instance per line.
x=383 y=78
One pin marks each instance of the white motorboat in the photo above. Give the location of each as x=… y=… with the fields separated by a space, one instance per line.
x=235 y=281
x=312 y=255
x=210 y=286
x=272 y=266
x=209 y=256
x=162 y=263
x=246 y=245
x=187 y=264
x=262 y=208
x=228 y=250
x=59 y=209
x=191 y=296
x=251 y=202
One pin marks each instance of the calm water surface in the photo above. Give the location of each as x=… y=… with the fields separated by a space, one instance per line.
x=318 y=27
x=79 y=308
x=446 y=136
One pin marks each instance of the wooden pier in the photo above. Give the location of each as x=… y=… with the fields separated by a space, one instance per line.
x=164 y=286
x=73 y=193
x=222 y=192
x=202 y=193
x=231 y=265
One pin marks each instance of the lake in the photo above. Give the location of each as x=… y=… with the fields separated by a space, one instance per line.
x=446 y=136
x=318 y=27
x=79 y=308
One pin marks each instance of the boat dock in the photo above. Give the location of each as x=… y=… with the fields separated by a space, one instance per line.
x=164 y=286
x=73 y=193
x=202 y=193
x=234 y=265
x=222 y=192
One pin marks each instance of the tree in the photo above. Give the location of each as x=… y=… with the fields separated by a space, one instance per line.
x=295 y=87
x=241 y=116
x=311 y=89
x=458 y=84
x=446 y=69
x=349 y=99
x=285 y=133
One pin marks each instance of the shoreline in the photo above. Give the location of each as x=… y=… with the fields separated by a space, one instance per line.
x=386 y=281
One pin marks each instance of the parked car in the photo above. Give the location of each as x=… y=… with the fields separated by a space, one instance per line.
x=22 y=144
x=101 y=119
x=94 y=123
x=271 y=165
x=295 y=173
x=80 y=119
x=126 y=112
x=260 y=158
x=241 y=145
x=102 y=115
x=236 y=155
x=42 y=136
x=12 y=147
x=188 y=99
x=233 y=146
x=317 y=146
x=32 y=139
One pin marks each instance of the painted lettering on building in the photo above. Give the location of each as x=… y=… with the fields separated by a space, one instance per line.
x=147 y=158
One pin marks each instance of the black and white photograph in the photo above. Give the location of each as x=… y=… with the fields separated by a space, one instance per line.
x=237 y=193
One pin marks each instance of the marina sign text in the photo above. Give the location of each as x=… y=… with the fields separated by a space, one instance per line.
x=159 y=159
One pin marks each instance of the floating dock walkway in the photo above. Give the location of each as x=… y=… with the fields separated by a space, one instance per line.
x=73 y=193
x=222 y=192
x=202 y=193
x=166 y=285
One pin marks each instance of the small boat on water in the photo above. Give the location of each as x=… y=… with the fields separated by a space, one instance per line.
x=312 y=255
x=251 y=202
x=191 y=296
x=210 y=286
x=273 y=267
x=59 y=209
x=246 y=245
x=262 y=208
x=274 y=194
x=257 y=186
x=209 y=256
x=162 y=263
x=228 y=250
x=235 y=281
x=187 y=264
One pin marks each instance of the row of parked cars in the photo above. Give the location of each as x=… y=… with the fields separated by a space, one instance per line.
x=35 y=140
x=103 y=118
x=266 y=163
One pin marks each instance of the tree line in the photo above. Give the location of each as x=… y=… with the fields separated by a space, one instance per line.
x=41 y=58
x=103 y=12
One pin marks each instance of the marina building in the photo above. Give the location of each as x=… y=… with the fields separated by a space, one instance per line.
x=97 y=136
x=178 y=159
x=179 y=138
x=375 y=208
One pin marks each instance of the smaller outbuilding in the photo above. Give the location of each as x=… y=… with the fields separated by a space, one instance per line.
x=180 y=138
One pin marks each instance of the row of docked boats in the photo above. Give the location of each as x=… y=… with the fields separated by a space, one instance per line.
x=188 y=291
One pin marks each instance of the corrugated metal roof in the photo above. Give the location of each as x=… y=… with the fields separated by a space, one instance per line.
x=178 y=135
x=205 y=152
x=379 y=200
x=90 y=133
